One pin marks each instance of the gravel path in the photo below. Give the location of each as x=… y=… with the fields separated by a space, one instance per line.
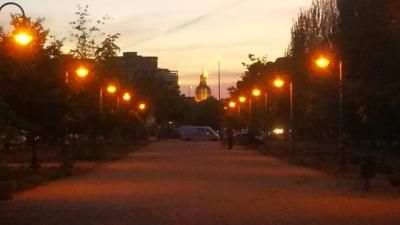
x=198 y=183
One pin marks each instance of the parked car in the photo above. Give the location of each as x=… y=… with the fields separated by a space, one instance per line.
x=198 y=133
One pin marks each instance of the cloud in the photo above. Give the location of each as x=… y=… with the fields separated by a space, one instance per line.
x=192 y=47
x=188 y=23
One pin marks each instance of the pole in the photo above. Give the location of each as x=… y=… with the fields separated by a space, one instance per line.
x=250 y=113
x=15 y=4
x=265 y=119
x=118 y=103
x=292 y=130
x=340 y=134
x=219 y=80
x=101 y=102
x=239 y=112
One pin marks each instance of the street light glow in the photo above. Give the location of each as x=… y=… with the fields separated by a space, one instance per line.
x=279 y=83
x=242 y=99
x=111 y=89
x=23 y=38
x=142 y=106
x=232 y=104
x=82 y=72
x=278 y=131
x=322 y=62
x=126 y=97
x=256 y=92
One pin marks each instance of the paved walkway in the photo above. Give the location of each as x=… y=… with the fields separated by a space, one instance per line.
x=197 y=183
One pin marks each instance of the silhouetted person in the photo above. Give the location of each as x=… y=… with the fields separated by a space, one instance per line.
x=229 y=136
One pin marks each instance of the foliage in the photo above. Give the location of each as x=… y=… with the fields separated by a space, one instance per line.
x=85 y=34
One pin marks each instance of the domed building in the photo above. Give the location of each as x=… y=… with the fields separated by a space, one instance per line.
x=203 y=91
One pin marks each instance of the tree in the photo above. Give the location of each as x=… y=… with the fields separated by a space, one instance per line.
x=86 y=36
x=369 y=34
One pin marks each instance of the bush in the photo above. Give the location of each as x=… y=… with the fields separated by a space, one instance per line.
x=6 y=190
x=395 y=181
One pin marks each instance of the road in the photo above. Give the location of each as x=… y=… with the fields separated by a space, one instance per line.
x=198 y=183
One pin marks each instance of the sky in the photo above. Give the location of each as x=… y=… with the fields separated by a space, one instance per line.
x=186 y=35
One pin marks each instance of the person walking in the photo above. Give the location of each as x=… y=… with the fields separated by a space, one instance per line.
x=229 y=136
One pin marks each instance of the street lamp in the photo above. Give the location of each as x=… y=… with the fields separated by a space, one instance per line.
x=219 y=77
x=82 y=72
x=142 y=106
x=242 y=99
x=232 y=104
x=279 y=83
x=256 y=92
x=21 y=37
x=126 y=97
x=190 y=90
x=323 y=63
x=111 y=89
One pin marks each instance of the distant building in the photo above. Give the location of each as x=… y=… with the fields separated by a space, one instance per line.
x=170 y=76
x=203 y=91
x=133 y=65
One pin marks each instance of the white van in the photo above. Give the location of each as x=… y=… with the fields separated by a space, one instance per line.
x=198 y=133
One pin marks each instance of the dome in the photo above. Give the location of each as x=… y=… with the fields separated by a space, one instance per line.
x=203 y=91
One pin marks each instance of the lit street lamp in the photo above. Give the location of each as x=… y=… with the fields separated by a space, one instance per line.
x=232 y=104
x=219 y=78
x=323 y=63
x=111 y=89
x=126 y=97
x=255 y=93
x=82 y=72
x=142 y=106
x=279 y=83
x=21 y=37
x=242 y=99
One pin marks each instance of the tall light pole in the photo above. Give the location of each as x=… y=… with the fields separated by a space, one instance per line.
x=323 y=63
x=242 y=99
x=219 y=78
x=279 y=83
x=190 y=90
x=255 y=93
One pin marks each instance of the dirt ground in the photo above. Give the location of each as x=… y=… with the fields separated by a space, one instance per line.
x=200 y=183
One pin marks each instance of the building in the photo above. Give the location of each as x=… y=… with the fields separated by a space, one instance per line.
x=133 y=65
x=171 y=77
x=203 y=91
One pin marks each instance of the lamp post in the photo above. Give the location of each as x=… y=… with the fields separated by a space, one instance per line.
x=21 y=37
x=219 y=78
x=255 y=93
x=242 y=99
x=190 y=90
x=111 y=89
x=323 y=63
x=81 y=72
x=279 y=83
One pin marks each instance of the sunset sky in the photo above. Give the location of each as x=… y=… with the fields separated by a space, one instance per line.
x=186 y=35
